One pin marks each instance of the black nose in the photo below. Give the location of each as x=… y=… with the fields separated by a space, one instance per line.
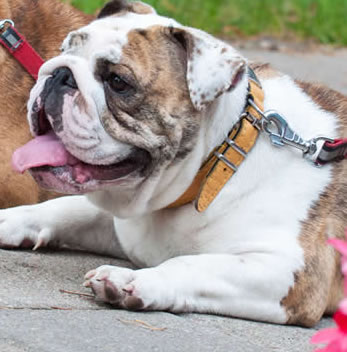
x=64 y=76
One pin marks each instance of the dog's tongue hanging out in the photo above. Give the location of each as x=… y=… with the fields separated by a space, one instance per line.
x=46 y=150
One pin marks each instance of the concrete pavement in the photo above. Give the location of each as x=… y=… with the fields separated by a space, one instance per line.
x=328 y=67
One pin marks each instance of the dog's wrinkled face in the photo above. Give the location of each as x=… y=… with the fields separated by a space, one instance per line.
x=124 y=100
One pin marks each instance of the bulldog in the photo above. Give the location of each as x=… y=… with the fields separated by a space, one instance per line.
x=145 y=121
x=42 y=27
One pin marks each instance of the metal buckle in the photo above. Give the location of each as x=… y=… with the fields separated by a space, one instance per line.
x=257 y=123
x=238 y=149
x=253 y=120
x=233 y=145
x=228 y=163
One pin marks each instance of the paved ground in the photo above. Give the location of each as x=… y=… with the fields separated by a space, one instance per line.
x=328 y=67
x=35 y=316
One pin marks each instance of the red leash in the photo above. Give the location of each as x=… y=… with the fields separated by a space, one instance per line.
x=24 y=53
x=19 y=47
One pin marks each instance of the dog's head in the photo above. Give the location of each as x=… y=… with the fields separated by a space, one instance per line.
x=124 y=104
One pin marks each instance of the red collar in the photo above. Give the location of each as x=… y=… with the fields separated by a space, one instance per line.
x=19 y=47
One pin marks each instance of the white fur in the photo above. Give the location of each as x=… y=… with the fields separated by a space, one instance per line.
x=238 y=257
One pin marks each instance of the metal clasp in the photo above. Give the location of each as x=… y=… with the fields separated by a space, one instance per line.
x=9 y=37
x=281 y=134
x=4 y=22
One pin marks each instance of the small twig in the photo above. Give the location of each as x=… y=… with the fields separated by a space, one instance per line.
x=61 y=308
x=77 y=293
x=149 y=326
x=142 y=324
x=24 y=308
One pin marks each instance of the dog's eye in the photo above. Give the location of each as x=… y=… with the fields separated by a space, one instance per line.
x=119 y=85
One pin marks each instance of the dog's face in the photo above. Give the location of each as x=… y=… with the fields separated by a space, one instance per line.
x=125 y=101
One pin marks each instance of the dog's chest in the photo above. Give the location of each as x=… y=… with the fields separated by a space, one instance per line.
x=152 y=239
x=242 y=220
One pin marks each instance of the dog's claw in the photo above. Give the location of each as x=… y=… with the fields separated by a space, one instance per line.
x=42 y=239
x=40 y=243
x=87 y=284
x=90 y=274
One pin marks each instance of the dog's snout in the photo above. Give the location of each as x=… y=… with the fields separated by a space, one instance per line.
x=64 y=76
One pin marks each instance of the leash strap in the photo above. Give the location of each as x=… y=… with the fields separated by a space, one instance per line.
x=335 y=151
x=20 y=49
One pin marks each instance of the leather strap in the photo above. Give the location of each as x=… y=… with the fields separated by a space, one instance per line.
x=19 y=47
x=226 y=158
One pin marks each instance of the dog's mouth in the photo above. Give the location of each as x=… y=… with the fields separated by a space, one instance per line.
x=53 y=167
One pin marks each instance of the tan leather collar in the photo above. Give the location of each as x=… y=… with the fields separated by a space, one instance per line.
x=224 y=161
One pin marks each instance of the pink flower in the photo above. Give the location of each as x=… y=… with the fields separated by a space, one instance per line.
x=336 y=337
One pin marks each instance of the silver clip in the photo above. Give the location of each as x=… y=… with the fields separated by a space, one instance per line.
x=3 y=22
x=281 y=134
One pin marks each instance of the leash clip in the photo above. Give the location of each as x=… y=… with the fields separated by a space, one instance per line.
x=279 y=131
x=4 y=22
x=10 y=37
x=281 y=134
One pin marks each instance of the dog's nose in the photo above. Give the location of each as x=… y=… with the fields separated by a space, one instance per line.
x=64 y=76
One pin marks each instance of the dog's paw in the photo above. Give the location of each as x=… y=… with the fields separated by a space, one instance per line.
x=23 y=227
x=117 y=286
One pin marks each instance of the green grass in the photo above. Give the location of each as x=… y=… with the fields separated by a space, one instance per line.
x=324 y=20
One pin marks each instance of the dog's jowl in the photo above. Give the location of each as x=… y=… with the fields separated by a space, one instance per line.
x=159 y=130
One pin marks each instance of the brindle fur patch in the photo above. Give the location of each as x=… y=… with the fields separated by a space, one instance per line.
x=113 y=7
x=326 y=219
x=119 y=7
x=77 y=39
x=159 y=115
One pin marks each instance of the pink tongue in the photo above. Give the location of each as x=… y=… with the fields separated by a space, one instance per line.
x=46 y=150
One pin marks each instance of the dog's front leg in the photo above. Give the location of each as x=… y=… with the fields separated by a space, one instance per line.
x=248 y=286
x=67 y=222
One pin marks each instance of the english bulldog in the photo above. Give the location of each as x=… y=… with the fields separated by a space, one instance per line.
x=128 y=118
x=45 y=24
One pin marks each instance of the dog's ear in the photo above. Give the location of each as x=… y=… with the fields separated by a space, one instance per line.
x=213 y=67
x=115 y=6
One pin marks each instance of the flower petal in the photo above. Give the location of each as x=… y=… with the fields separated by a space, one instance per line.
x=326 y=335
x=343 y=306
x=339 y=245
x=341 y=321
